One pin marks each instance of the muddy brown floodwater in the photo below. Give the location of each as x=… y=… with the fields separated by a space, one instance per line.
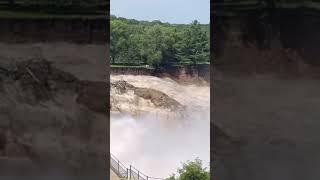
x=156 y=140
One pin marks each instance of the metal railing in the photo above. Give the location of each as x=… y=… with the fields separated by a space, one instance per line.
x=118 y=167
x=130 y=173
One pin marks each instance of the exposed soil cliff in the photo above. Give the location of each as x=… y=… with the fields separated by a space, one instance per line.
x=187 y=74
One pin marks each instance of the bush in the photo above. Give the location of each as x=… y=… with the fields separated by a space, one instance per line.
x=191 y=170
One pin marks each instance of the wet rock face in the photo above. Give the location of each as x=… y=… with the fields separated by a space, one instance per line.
x=122 y=86
x=53 y=120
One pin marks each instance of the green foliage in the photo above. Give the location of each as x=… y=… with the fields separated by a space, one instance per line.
x=194 y=47
x=157 y=44
x=191 y=170
x=118 y=39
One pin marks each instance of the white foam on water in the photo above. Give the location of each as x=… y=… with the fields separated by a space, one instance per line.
x=155 y=144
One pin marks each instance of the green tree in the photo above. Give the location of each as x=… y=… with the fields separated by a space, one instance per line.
x=157 y=44
x=192 y=170
x=162 y=42
x=194 y=45
x=118 y=40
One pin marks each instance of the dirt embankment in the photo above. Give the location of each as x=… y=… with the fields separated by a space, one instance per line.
x=187 y=74
x=51 y=120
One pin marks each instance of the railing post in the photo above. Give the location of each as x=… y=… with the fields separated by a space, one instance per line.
x=147 y=178
x=118 y=166
x=138 y=175
x=130 y=171
x=127 y=173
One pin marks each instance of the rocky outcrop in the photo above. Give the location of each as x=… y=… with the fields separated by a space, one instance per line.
x=157 y=98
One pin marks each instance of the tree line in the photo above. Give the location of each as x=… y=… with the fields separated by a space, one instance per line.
x=158 y=44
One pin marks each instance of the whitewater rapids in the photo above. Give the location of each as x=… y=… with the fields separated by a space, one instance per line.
x=156 y=140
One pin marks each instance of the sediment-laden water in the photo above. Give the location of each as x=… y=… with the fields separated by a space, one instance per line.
x=154 y=139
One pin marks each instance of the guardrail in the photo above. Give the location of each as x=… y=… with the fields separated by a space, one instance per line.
x=130 y=173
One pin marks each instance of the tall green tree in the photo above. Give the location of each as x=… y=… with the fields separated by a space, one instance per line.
x=118 y=40
x=161 y=41
x=194 y=45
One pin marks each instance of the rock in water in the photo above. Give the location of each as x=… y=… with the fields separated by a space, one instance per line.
x=157 y=98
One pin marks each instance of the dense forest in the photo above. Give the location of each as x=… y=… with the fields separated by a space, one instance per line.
x=158 y=44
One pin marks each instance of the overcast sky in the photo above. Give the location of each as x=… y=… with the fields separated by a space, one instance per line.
x=172 y=11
